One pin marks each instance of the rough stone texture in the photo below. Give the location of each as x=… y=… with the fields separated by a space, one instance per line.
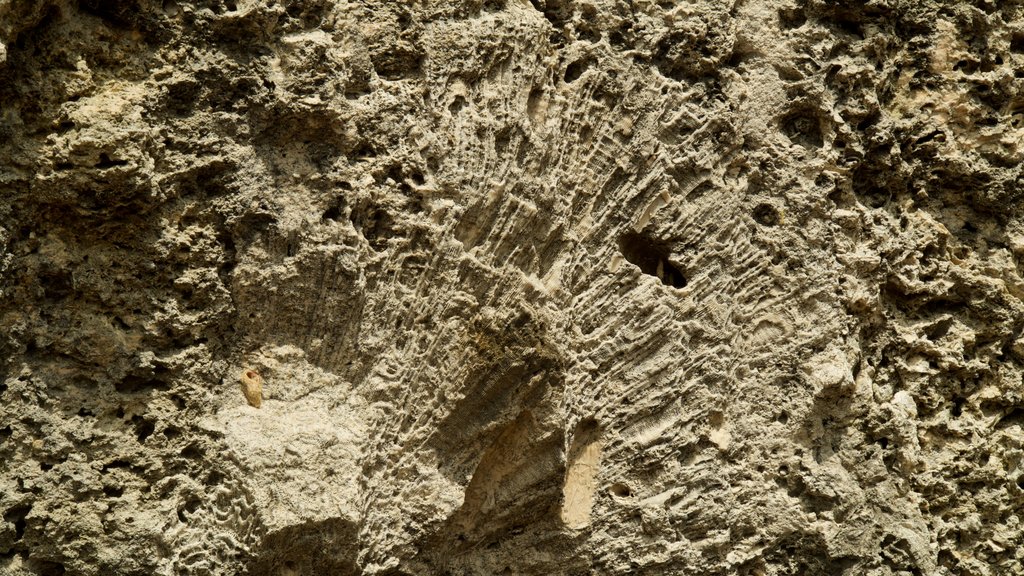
x=549 y=287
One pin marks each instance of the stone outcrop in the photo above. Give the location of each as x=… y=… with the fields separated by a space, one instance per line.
x=512 y=287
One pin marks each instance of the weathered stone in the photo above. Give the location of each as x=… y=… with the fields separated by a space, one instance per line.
x=532 y=287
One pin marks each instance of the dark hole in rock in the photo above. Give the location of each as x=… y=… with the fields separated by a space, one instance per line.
x=958 y=407
x=188 y=508
x=458 y=103
x=796 y=487
x=47 y=567
x=143 y=428
x=395 y=173
x=936 y=135
x=575 y=70
x=556 y=11
x=947 y=559
x=57 y=283
x=375 y=225
x=398 y=62
x=700 y=190
x=766 y=215
x=106 y=162
x=884 y=443
x=140 y=385
x=586 y=30
x=1020 y=481
x=790 y=18
x=117 y=14
x=113 y=491
x=5 y=433
x=802 y=127
x=966 y=66
x=783 y=418
x=16 y=516
x=115 y=464
x=1017 y=43
x=333 y=212
x=364 y=150
x=1014 y=417
x=850 y=27
x=868 y=121
x=620 y=490
x=937 y=331
x=618 y=38
x=652 y=257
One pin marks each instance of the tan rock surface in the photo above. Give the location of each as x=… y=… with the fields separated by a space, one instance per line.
x=533 y=287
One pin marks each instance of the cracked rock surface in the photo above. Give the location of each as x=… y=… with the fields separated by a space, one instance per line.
x=695 y=287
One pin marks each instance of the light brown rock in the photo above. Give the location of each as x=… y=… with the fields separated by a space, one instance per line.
x=538 y=287
x=252 y=388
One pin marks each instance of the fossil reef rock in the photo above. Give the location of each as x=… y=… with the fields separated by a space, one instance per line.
x=696 y=287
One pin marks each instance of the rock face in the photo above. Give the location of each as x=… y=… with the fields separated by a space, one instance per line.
x=529 y=287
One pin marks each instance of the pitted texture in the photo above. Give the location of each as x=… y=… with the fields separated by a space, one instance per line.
x=532 y=287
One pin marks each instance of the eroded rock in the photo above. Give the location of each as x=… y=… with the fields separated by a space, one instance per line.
x=533 y=287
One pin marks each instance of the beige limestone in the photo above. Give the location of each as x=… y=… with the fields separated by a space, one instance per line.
x=533 y=287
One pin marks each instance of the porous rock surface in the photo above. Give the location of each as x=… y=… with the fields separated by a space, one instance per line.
x=534 y=287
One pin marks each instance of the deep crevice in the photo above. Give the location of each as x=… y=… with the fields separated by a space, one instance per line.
x=652 y=257
x=17 y=516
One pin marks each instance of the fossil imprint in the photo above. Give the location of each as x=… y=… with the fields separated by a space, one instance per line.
x=252 y=387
